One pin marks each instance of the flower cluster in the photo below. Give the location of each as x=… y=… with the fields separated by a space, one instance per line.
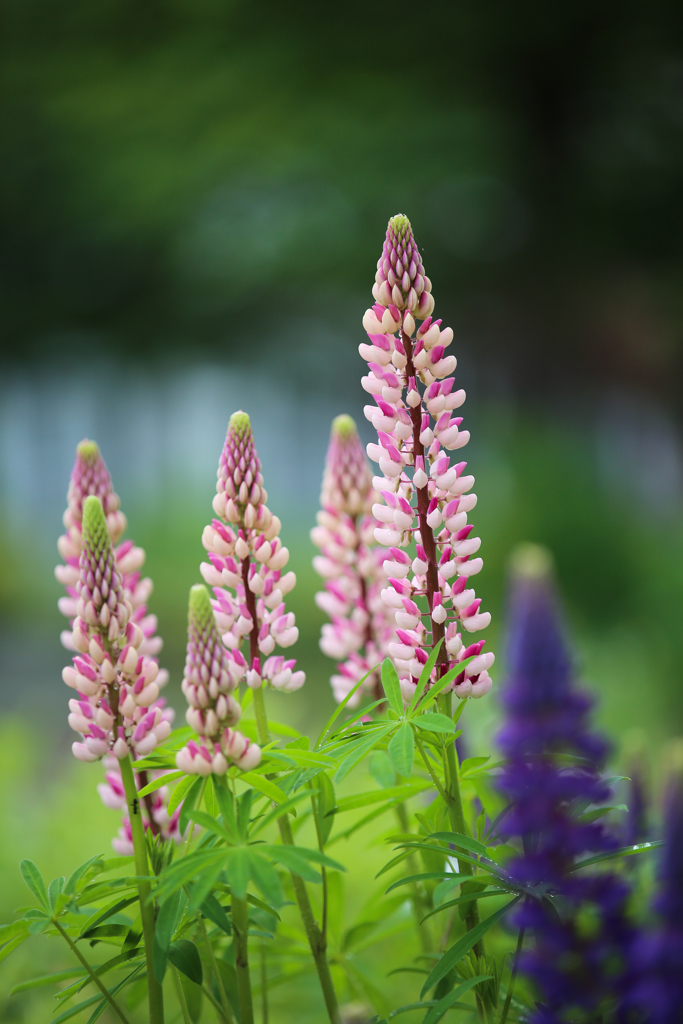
x=410 y=380
x=576 y=957
x=155 y=816
x=116 y=707
x=208 y=684
x=90 y=476
x=350 y=563
x=246 y=559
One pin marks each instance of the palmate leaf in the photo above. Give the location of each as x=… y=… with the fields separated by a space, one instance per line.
x=327 y=728
x=365 y=710
x=458 y=839
x=392 y=687
x=264 y=786
x=47 y=979
x=624 y=851
x=186 y=870
x=10 y=946
x=75 y=877
x=163 y=780
x=34 y=880
x=297 y=859
x=424 y=676
x=210 y=824
x=277 y=812
x=434 y=722
x=464 y=899
x=451 y=998
x=464 y=944
x=401 y=750
x=100 y=916
x=360 y=749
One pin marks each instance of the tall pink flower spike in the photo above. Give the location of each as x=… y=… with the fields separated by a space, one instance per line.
x=425 y=498
x=116 y=708
x=211 y=676
x=90 y=476
x=246 y=559
x=350 y=563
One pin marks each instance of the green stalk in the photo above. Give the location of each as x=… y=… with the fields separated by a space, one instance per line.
x=216 y=973
x=181 y=995
x=264 y=986
x=155 y=992
x=94 y=977
x=419 y=906
x=316 y=939
x=240 y=923
x=513 y=976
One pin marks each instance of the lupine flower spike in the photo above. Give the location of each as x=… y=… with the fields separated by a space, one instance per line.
x=425 y=499
x=545 y=720
x=246 y=559
x=116 y=708
x=350 y=563
x=90 y=476
x=208 y=683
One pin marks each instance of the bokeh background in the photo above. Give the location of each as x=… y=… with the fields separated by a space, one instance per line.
x=193 y=198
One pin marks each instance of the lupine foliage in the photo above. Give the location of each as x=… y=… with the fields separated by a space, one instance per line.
x=225 y=827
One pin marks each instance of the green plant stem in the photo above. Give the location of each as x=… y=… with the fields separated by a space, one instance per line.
x=181 y=995
x=316 y=939
x=216 y=973
x=513 y=976
x=194 y=828
x=240 y=924
x=94 y=977
x=420 y=907
x=155 y=991
x=264 y=986
x=214 y=1002
x=321 y=847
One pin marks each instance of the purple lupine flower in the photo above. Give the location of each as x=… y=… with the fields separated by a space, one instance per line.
x=350 y=563
x=90 y=476
x=153 y=807
x=246 y=559
x=655 y=977
x=577 y=954
x=117 y=706
x=410 y=380
x=212 y=673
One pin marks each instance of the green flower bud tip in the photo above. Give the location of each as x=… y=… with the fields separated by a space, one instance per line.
x=88 y=451
x=95 y=533
x=200 y=612
x=343 y=427
x=240 y=423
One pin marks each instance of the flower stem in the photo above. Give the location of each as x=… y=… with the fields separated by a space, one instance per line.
x=216 y=973
x=316 y=940
x=419 y=905
x=513 y=976
x=98 y=981
x=240 y=923
x=264 y=986
x=181 y=995
x=155 y=992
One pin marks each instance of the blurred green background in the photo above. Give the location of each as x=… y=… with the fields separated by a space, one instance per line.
x=193 y=198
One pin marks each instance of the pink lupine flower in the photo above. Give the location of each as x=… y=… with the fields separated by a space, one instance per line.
x=246 y=561
x=90 y=476
x=350 y=563
x=212 y=673
x=116 y=708
x=155 y=816
x=425 y=499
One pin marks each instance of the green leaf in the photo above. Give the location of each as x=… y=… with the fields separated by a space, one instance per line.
x=466 y=842
x=105 y=913
x=210 y=823
x=297 y=859
x=203 y=887
x=10 y=931
x=72 y=1011
x=278 y=811
x=327 y=729
x=239 y=870
x=163 y=933
x=599 y=812
x=438 y=1011
x=464 y=944
x=264 y=786
x=401 y=750
x=10 y=946
x=375 y=796
x=215 y=912
x=625 y=851
x=392 y=687
x=434 y=722
x=425 y=876
x=266 y=877
x=469 y=898
x=179 y=792
x=75 y=876
x=445 y=681
x=326 y=802
x=359 y=750
x=381 y=769
x=185 y=870
x=163 y=780
x=265 y=907
x=424 y=677
x=48 y=979
x=189 y=802
x=184 y=955
x=34 y=880
x=54 y=891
